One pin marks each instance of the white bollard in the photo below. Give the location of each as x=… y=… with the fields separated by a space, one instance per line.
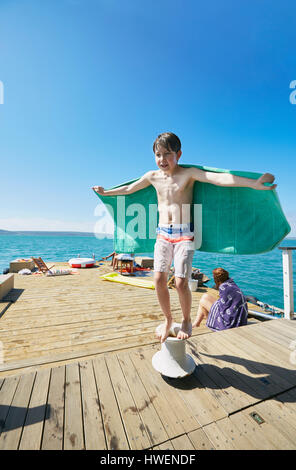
x=172 y=360
x=288 y=281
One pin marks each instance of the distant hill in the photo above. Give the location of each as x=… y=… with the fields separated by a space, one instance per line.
x=45 y=233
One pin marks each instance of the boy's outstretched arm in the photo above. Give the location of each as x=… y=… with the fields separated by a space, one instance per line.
x=141 y=183
x=226 y=179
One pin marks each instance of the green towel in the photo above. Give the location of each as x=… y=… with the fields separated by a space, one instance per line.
x=234 y=220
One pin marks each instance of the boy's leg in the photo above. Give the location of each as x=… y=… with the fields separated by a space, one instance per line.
x=163 y=253
x=183 y=255
x=160 y=280
x=205 y=303
x=185 y=298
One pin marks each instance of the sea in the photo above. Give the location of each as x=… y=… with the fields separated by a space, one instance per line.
x=260 y=275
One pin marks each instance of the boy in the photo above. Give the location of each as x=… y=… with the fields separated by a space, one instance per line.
x=174 y=188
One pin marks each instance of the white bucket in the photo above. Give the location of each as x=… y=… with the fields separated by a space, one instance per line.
x=193 y=285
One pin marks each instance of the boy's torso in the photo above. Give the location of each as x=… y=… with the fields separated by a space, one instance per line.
x=174 y=194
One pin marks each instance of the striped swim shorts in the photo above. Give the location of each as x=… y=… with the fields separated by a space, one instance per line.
x=174 y=242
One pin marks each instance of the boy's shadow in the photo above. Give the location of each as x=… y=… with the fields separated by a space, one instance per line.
x=204 y=376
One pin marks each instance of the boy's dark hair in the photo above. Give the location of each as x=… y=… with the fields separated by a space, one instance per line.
x=169 y=141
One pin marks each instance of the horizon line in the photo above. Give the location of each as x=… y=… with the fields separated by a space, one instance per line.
x=73 y=231
x=53 y=231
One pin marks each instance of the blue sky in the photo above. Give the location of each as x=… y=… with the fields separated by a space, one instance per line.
x=89 y=84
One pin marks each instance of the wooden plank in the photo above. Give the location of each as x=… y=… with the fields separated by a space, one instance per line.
x=256 y=359
x=92 y=419
x=208 y=354
x=237 y=438
x=211 y=378
x=278 y=359
x=284 y=405
x=217 y=437
x=289 y=323
x=136 y=432
x=70 y=342
x=4 y=307
x=73 y=428
x=229 y=356
x=114 y=431
x=277 y=439
x=289 y=399
x=164 y=446
x=74 y=328
x=200 y=440
x=182 y=443
x=276 y=352
x=217 y=386
x=205 y=408
x=275 y=334
x=15 y=419
x=171 y=409
x=7 y=392
x=251 y=431
x=278 y=420
x=89 y=301
x=282 y=326
x=54 y=425
x=150 y=419
x=32 y=432
x=254 y=373
x=269 y=362
x=187 y=397
x=78 y=352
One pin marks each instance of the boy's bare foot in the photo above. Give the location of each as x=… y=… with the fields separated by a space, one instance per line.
x=185 y=331
x=163 y=331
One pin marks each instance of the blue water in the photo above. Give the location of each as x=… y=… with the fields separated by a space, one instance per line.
x=257 y=275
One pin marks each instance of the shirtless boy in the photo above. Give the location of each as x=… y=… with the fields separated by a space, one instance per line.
x=174 y=188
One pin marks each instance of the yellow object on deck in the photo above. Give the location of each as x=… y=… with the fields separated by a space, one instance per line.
x=133 y=281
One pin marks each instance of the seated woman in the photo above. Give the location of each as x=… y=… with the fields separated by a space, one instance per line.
x=229 y=311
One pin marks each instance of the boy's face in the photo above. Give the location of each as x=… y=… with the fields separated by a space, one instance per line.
x=165 y=159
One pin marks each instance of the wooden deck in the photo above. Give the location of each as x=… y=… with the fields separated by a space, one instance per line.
x=54 y=319
x=242 y=396
x=77 y=374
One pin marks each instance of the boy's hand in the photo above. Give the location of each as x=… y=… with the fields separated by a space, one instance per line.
x=266 y=178
x=99 y=189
